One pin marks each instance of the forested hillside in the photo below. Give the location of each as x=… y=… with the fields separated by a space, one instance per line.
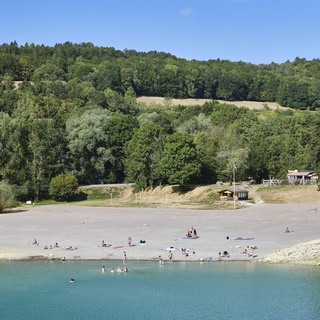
x=76 y=111
x=291 y=84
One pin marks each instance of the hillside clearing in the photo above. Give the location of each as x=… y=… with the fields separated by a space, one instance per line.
x=193 y=102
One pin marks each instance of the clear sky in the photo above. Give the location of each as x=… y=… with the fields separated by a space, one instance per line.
x=257 y=31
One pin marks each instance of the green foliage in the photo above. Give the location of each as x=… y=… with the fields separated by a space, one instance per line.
x=47 y=72
x=76 y=111
x=143 y=153
x=180 y=161
x=88 y=143
x=63 y=187
x=102 y=193
x=7 y=199
x=207 y=149
x=119 y=131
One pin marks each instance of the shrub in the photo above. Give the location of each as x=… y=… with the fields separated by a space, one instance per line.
x=7 y=199
x=63 y=187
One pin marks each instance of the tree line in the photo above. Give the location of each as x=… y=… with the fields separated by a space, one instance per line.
x=96 y=69
x=84 y=120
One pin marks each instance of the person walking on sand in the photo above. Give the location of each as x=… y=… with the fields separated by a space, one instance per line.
x=129 y=241
x=170 y=255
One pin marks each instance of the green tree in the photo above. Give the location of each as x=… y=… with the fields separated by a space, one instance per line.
x=180 y=162
x=13 y=149
x=88 y=143
x=63 y=187
x=7 y=199
x=143 y=153
x=48 y=72
x=207 y=148
x=232 y=149
x=119 y=131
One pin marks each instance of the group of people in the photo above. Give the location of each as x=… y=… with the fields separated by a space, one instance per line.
x=224 y=254
x=192 y=233
x=124 y=269
x=51 y=247
x=249 y=251
x=187 y=252
x=103 y=244
x=56 y=245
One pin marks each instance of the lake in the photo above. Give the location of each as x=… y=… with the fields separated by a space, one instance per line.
x=194 y=290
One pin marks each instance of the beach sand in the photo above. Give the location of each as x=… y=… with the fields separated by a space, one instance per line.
x=85 y=227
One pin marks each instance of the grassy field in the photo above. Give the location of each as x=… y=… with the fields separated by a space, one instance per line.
x=193 y=102
x=198 y=197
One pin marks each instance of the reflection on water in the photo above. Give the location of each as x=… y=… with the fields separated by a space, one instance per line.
x=227 y=290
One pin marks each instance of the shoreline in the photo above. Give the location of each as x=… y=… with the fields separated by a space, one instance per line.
x=261 y=226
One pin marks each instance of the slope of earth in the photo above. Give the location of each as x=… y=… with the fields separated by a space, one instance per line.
x=202 y=197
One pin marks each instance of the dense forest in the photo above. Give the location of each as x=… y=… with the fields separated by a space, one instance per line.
x=75 y=111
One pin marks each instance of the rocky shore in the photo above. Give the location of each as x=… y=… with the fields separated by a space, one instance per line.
x=307 y=253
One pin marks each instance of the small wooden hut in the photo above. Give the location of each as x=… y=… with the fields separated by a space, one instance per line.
x=233 y=194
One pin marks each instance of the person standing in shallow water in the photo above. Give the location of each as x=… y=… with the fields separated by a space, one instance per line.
x=124 y=258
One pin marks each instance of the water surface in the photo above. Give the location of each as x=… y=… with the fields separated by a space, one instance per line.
x=227 y=290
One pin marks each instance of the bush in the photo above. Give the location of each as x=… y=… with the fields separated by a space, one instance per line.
x=63 y=187
x=7 y=199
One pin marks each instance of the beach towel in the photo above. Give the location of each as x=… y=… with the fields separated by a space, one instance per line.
x=170 y=249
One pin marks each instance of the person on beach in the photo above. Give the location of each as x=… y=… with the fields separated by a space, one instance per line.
x=35 y=242
x=170 y=255
x=124 y=258
x=56 y=245
x=103 y=269
x=160 y=261
x=287 y=230
x=129 y=241
x=247 y=250
x=252 y=253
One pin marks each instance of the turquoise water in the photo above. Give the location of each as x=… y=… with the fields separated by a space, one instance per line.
x=231 y=290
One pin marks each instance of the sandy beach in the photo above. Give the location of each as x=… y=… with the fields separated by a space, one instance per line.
x=84 y=228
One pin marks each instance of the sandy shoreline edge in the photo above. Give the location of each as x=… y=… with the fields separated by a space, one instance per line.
x=261 y=226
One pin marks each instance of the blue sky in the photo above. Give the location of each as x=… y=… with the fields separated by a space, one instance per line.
x=257 y=31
